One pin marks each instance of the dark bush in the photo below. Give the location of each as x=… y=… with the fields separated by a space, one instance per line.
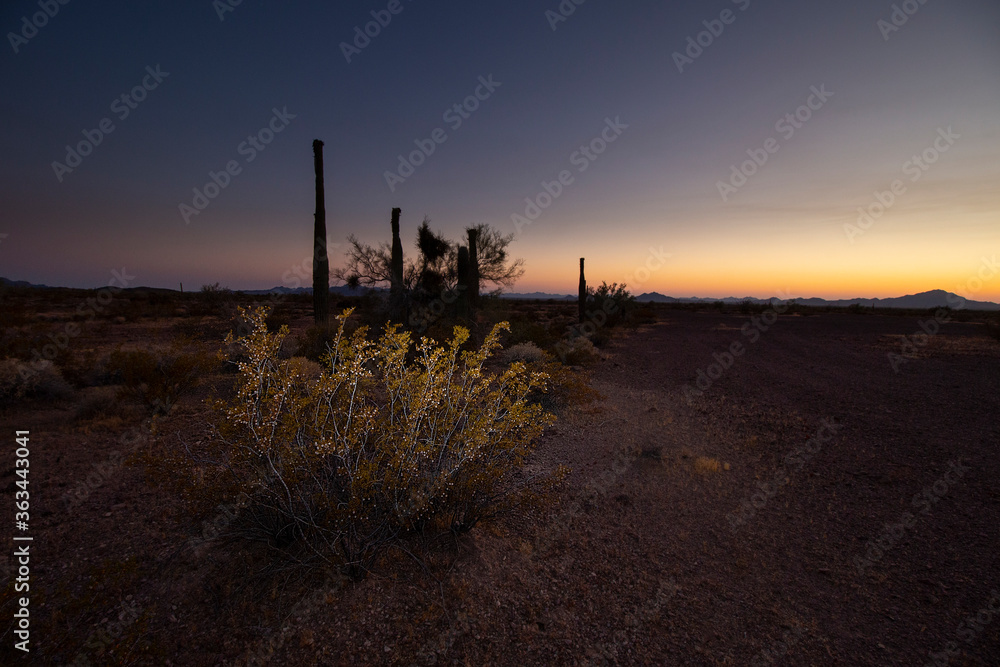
x=158 y=379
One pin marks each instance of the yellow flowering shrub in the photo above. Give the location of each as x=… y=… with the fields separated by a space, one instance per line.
x=387 y=440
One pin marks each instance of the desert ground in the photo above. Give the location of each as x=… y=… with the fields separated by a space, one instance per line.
x=808 y=500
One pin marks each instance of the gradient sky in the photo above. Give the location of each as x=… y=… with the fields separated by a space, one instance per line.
x=655 y=187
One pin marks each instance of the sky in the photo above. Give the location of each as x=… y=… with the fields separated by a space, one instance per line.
x=712 y=149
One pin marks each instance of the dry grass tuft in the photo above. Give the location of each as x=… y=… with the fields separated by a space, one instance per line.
x=705 y=465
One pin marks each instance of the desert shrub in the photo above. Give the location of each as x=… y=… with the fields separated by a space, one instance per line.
x=103 y=369
x=376 y=447
x=613 y=301
x=96 y=402
x=993 y=327
x=158 y=378
x=601 y=336
x=526 y=352
x=566 y=386
x=103 y=406
x=314 y=343
x=279 y=316
x=38 y=379
x=577 y=351
x=200 y=327
x=859 y=309
x=211 y=299
x=532 y=331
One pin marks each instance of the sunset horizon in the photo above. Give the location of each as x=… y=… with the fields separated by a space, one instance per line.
x=860 y=162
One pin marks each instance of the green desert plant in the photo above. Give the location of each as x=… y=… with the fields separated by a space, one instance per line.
x=375 y=447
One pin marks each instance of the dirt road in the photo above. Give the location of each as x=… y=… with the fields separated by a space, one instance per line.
x=858 y=522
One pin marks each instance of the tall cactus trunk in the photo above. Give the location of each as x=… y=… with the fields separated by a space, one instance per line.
x=321 y=261
x=473 y=268
x=583 y=293
x=464 y=292
x=396 y=301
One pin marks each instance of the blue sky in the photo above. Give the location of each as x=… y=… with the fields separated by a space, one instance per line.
x=674 y=180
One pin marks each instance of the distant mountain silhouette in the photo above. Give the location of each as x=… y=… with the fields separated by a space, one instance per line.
x=923 y=300
x=20 y=283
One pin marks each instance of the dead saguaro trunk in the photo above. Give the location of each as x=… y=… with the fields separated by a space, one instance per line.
x=582 y=298
x=464 y=275
x=473 y=267
x=321 y=261
x=396 y=270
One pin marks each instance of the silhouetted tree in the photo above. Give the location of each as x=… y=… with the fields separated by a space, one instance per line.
x=493 y=263
x=434 y=269
x=582 y=296
x=366 y=265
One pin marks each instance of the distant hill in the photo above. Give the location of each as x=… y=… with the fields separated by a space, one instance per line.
x=921 y=301
x=20 y=283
